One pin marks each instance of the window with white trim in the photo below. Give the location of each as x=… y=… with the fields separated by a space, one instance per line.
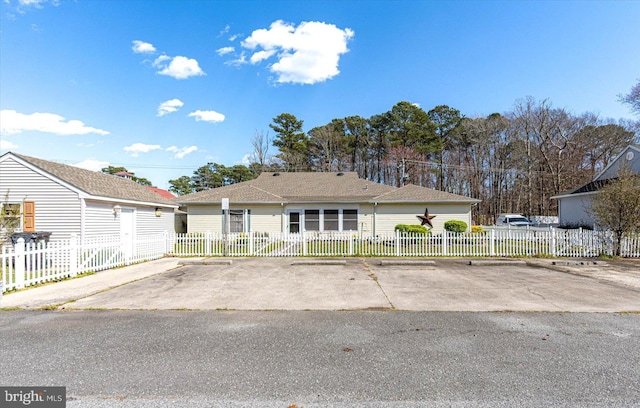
x=350 y=220
x=331 y=220
x=312 y=220
x=327 y=219
x=10 y=217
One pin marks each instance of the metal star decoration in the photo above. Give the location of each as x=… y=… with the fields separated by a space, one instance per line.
x=426 y=218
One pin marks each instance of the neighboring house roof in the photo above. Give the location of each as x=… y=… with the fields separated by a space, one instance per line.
x=589 y=188
x=615 y=160
x=317 y=187
x=592 y=187
x=163 y=193
x=93 y=183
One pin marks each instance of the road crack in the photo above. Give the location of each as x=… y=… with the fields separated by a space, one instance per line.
x=373 y=276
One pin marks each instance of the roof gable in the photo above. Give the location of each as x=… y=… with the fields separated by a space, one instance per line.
x=630 y=156
x=98 y=185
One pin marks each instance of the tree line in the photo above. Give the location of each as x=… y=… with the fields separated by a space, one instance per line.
x=513 y=162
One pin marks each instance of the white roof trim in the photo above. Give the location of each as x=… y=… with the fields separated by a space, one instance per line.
x=572 y=195
x=624 y=151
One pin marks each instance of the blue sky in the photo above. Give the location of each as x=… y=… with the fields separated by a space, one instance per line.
x=164 y=87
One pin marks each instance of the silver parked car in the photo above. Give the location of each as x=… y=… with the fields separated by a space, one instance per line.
x=513 y=220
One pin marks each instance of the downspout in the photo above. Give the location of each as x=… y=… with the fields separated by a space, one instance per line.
x=83 y=206
x=375 y=207
x=282 y=218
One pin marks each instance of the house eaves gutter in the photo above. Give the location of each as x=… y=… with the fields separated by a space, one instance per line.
x=125 y=201
x=472 y=201
x=230 y=201
x=573 y=195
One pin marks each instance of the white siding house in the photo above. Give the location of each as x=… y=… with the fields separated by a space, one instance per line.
x=66 y=200
x=574 y=205
x=322 y=202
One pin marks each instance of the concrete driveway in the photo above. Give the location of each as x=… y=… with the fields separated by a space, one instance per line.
x=366 y=284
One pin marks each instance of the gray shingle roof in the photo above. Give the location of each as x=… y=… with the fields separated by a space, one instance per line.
x=411 y=192
x=98 y=184
x=317 y=187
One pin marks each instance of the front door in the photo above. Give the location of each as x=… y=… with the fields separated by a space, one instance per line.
x=294 y=222
x=127 y=233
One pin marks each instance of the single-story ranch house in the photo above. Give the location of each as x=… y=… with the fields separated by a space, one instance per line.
x=574 y=205
x=307 y=201
x=65 y=200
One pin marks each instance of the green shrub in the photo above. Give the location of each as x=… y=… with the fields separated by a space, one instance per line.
x=412 y=229
x=455 y=226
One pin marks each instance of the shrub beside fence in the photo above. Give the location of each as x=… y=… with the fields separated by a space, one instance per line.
x=34 y=263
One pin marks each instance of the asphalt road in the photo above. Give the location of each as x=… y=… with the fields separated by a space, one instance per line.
x=325 y=358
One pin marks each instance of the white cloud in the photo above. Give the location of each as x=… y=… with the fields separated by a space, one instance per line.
x=90 y=164
x=12 y=122
x=246 y=159
x=180 y=152
x=225 y=50
x=138 y=148
x=169 y=106
x=141 y=47
x=178 y=68
x=306 y=54
x=7 y=145
x=241 y=60
x=207 y=116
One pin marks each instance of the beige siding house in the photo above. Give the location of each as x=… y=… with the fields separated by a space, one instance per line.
x=66 y=200
x=324 y=202
x=574 y=205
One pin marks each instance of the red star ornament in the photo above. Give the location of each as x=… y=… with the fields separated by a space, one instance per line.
x=426 y=218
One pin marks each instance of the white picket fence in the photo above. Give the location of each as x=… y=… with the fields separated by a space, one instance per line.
x=494 y=242
x=25 y=265
x=32 y=263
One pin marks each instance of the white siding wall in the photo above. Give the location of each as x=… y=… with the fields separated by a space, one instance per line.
x=147 y=222
x=203 y=218
x=389 y=215
x=99 y=219
x=573 y=211
x=365 y=219
x=57 y=207
x=266 y=218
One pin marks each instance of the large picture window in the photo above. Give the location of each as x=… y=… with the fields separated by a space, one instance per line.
x=331 y=220
x=349 y=220
x=312 y=220
x=322 y=220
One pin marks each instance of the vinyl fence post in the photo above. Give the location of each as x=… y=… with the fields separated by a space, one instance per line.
x=304 y=243
x=492 y=242
x=554 y=242
x=73 y=255
x=251 y=240
x=397 y=248
x=19 y=264
x=207 y=243
x=444 y=243
x=351 y=239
